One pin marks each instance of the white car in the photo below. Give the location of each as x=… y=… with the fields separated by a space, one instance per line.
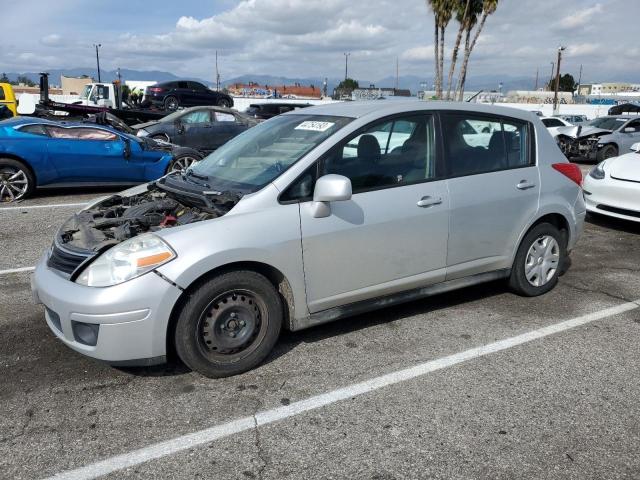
x=613 y=186
x=554 y=123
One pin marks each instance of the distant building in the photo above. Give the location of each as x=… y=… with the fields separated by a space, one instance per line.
x=74 y=85
x=253 y=89
x=373 y=92
x=611 y=88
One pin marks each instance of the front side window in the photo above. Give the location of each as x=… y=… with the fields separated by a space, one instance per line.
x=635 y=124
x=261 y=154
x=495 y=144
x=390 y=153
x=80 y=133
x=199 y=116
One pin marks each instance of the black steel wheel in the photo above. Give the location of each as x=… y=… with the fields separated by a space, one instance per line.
x=229 y=324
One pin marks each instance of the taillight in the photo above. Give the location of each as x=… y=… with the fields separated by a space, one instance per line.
x=569 y=170
x=155 y=89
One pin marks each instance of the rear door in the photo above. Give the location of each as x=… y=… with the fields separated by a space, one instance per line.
x=195 y=129
x=494 y=188
x=392 y=235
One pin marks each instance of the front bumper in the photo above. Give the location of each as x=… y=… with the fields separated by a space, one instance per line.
x=132 y=317
x=614 y=198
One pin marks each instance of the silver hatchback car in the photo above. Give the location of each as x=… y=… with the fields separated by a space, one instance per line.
x=310 y=217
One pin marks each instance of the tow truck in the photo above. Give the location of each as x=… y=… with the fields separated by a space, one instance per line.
x=8 y=104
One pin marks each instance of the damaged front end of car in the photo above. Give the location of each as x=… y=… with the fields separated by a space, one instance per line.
x=115 y=219
x=580 y=141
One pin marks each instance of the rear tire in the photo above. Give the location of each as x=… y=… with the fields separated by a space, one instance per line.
x=171 y=103
x=224 y=102
x=608 y=151
x=539 y=261
x=16 y=180
x=229 y=324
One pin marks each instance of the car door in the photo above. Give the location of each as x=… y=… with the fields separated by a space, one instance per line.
x=494 y=189
x=193 y=129
x=87 y=154
x=629 y=134
x=392 y=234
x=224 y=127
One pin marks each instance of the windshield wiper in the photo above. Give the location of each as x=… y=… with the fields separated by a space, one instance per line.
x=191 y=173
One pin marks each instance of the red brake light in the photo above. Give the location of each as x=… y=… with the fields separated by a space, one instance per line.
x=569 y=170
x=155 y=89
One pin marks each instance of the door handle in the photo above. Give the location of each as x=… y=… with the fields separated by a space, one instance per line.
x=525 y=185
x=428 y=201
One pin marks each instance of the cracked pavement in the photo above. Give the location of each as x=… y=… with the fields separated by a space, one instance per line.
x=565 y=406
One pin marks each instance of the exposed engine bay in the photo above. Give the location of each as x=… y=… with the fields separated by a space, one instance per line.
x=119 y=218
x=580 y=141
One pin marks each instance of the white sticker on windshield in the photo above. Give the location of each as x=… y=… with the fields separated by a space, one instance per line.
x=315 y=126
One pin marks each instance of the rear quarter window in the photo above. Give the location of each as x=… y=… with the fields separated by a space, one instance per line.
x=34 y=130
x=2 y=97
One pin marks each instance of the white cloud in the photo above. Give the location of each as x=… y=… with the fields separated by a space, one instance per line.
x=580 y=18
x=584 y=49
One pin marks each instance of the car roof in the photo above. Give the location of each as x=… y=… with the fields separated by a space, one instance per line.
x=381 y=108
x=19 y=121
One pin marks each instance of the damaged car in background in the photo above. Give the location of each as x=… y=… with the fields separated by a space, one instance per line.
x=36 y=152
x=602 y=138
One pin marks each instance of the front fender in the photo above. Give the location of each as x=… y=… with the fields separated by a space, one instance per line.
x=270 y=236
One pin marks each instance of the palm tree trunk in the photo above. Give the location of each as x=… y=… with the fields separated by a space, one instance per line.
x=436 y=49
x=456 y=47
x=467 y=54
x=441 y=62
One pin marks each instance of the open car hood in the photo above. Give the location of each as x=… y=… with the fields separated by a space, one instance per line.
x=578 y=131
x=625 y=167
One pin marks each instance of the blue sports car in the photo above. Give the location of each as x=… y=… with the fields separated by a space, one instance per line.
x=36 y=152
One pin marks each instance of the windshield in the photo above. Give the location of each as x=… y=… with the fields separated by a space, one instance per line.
x=262 y=153
x=85 y=91
x=608 y=123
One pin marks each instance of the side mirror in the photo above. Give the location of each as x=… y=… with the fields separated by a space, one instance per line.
x=635 y=147
x=329 y=188
x=126 y=151
x=179 y=126
x=629 y=130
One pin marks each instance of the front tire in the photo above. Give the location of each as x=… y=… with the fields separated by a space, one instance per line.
x=16 y=180
x=608 y=151
x=181 y=162
x=539 y=261
x=229 y=324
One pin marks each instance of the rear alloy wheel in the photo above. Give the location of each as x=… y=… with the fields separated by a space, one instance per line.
x=16 y=180
x=229 y=324
x=539 y=261
x=171 y=103
x=181 y=163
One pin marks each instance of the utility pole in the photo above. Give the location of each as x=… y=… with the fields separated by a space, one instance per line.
x=119 y=76
x=535 y=89
x=397 y=73
x=580 y=79
x=555 y=95
x=98 y=59
x=346 y=65
x=217 y=73
x=553 y=66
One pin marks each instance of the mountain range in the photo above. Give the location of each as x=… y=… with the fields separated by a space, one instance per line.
x=413 y=83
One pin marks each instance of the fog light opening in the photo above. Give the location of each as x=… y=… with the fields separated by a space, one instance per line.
x=85 y=333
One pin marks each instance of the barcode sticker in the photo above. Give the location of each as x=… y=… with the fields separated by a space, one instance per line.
x=315 y=126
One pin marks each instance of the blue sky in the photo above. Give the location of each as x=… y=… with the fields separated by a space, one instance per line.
x=301 y=38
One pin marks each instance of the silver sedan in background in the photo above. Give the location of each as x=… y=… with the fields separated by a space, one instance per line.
x=310 y=217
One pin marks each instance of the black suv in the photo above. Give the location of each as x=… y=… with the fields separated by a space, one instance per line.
x=185 y=93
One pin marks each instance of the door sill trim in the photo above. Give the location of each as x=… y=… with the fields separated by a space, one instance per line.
x=364 y=306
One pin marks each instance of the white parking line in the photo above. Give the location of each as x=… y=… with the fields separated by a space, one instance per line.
x=54 y=205
x=191 y=440
x=17 y=270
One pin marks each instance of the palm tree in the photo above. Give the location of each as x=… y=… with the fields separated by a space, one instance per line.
x=462 y=9
x=484 y=8
x=442 y=12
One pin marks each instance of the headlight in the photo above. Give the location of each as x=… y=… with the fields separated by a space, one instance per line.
x=597 y=172
x=130 y=259
x=142 y=133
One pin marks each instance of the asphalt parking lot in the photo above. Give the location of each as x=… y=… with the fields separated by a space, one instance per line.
x=559 y=403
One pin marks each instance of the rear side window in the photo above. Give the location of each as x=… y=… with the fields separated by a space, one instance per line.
x=224 y=117
x=2 y=97
x=183 y=85
x=479 y=144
